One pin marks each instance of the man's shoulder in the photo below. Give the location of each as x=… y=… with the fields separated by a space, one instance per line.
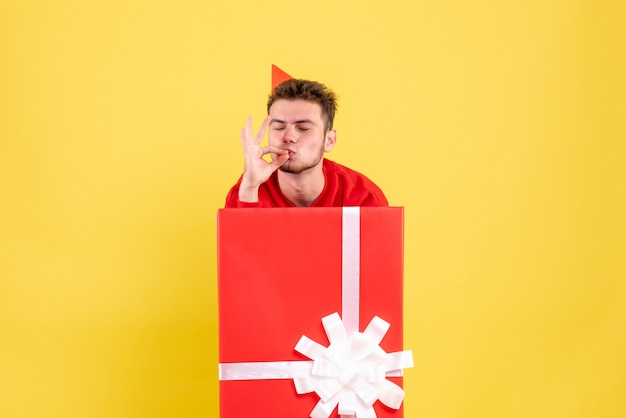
x=340 y=168
x=333 y=167
x=356 y=188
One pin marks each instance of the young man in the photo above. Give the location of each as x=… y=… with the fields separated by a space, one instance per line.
x=300 y=121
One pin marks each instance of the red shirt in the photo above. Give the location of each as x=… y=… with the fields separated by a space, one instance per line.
x=343 y=187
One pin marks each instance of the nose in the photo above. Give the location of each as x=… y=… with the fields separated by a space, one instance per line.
x=290 y=135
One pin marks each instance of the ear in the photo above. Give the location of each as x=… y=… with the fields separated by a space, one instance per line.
x=329 y=140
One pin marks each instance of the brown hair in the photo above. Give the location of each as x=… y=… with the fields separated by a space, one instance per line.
x=311 y=91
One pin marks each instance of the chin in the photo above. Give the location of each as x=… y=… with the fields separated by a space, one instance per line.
x=290 y=170
x=293 y=168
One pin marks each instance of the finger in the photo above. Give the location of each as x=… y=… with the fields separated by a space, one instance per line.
x=279 y=160
x=268 y=148
x=242 y=136
x=261 y=133
x=249 y=127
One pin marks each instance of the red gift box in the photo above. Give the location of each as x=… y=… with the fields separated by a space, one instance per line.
x=280 y=271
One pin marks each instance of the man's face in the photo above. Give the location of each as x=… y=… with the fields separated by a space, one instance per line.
x=299 y=127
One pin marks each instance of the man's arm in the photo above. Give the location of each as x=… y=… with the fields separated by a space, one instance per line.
x=232 y=199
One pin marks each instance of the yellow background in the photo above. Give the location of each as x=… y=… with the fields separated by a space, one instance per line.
x=499 y=125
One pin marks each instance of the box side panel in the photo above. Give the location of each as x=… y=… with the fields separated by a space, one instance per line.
x=382 y=271
x=279 y=274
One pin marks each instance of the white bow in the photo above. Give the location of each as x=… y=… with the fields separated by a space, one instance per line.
x=351 y=371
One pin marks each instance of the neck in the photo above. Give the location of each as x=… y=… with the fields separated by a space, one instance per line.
x=304 y=188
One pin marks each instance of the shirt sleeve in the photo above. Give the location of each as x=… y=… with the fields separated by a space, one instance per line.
x=233 y=202
x=232 y=199
x=248 y=204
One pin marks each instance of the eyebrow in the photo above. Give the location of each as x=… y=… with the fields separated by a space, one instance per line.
x=296 y=122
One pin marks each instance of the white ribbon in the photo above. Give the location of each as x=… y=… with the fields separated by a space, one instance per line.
x=264 y=370
x=350 y=267
x=351 y=372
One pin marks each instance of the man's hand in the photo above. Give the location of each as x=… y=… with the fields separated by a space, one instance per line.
x=256 y=170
